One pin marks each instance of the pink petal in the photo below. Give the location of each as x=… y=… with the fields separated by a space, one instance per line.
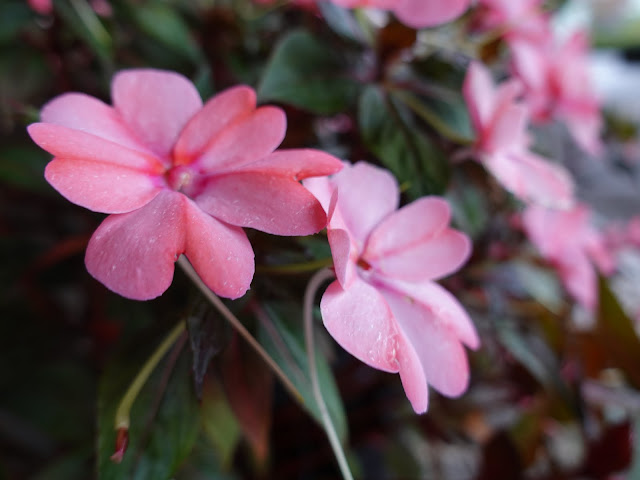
x=366 y=194
x=297 y=164
x=74 y=144
x=360 y=321
x=478 y=91
x=81 y=112
x=249 y=139
x=427 y=13
x=532 y=178
x=155 y=105
x=435 y=344
x=579 y=278
x=345 y=256
x=226 y=108
x=414 y=243
x=508 y=129
x=266 y=202
x=101 y=187
x=220 y=253
x=444 y=305
x=133 y=253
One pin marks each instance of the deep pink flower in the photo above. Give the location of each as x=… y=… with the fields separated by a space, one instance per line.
x=557 y=85
x=44 y=7
x=573 y=246
x=177 y=177
x=385 y=308
x=501 y=145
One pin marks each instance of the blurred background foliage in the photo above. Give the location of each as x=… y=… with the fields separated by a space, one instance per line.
x=547 y=400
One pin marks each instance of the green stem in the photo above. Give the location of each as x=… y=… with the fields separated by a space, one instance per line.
x=309 y=295
x=294 y=268
x=122 y=419
x=240 y=328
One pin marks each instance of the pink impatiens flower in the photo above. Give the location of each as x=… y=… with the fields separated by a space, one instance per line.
x=572 y=245
x=522 y=19
x=385 y=308
x=502 y=144
x=177 y=177
x=557 y=85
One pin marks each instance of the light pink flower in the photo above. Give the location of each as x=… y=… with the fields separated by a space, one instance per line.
x=573 y=246
x=501 y=145
x=415 y=13
x=177 y=177
x=557 y=85
x=385 y=308
x=521 y=19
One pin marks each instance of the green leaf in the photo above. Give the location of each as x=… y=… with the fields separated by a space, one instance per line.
x=342 y=21
x=389 y=132
x=469 y=208
x=309 y=74
x=23 y=167
x=15 y=15
x=220 y=424
x=283 y=338
x=163 y=24
x=164 y=421
x=542 y=284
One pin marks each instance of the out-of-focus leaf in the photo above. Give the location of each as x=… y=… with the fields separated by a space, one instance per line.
x=208 y=335
x=220 y=424
x=23 y=167
x=163 y=24
x=71 y=465
x=541 y=284
x=388 y=132
x=469 y=209
x=305 y=72
x=249 y=386
x=15 y=15
x=164 y=421
x=342 y=21
x=617 y=335
x=83 y=20
x=449 y=117
x=283 y=338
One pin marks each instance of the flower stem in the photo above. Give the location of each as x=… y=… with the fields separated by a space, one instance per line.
x=309 y=295
x=240 y=328
x=294 y=268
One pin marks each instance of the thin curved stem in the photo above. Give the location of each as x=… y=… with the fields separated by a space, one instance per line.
x=239 y=327
x=309 y=295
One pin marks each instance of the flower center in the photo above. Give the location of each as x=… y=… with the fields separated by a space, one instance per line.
x=363 y=264
x=180 y=177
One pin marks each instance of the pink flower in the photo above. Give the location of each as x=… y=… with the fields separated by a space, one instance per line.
x=572 y=245
x=177 y=177
x=414 y=13
x=44 y=7
x=500 y=123
x=521 y=19
x=557 y=84
x=384 y=308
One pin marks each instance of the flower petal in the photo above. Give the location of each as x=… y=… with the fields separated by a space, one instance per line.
x=226 y=108
x=345 y=256
x=133 y=253
x=427 y=13
x=155 y=104
x=532 y=178
x=478 y=91
x=81 y=112
x=415 y=244
x=298 y=164
x=435 y=344
x=220 y=253
x=366 y=194
x=360 y=321
x=249 y=139
x=266 y=202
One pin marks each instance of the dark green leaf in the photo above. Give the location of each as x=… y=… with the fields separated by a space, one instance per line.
x=164 y=421
x=388 y=131
x=23 y=167
x=342 y=21
x=283 y=338
x=307 y=73
x=15 y=15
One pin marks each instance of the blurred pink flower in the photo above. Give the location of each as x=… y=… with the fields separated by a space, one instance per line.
x=502 y=143
x=177 y=177
x=384 y=308
x=573 y=246
x=557 y=84
x=43 y=7
x=522 y=19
